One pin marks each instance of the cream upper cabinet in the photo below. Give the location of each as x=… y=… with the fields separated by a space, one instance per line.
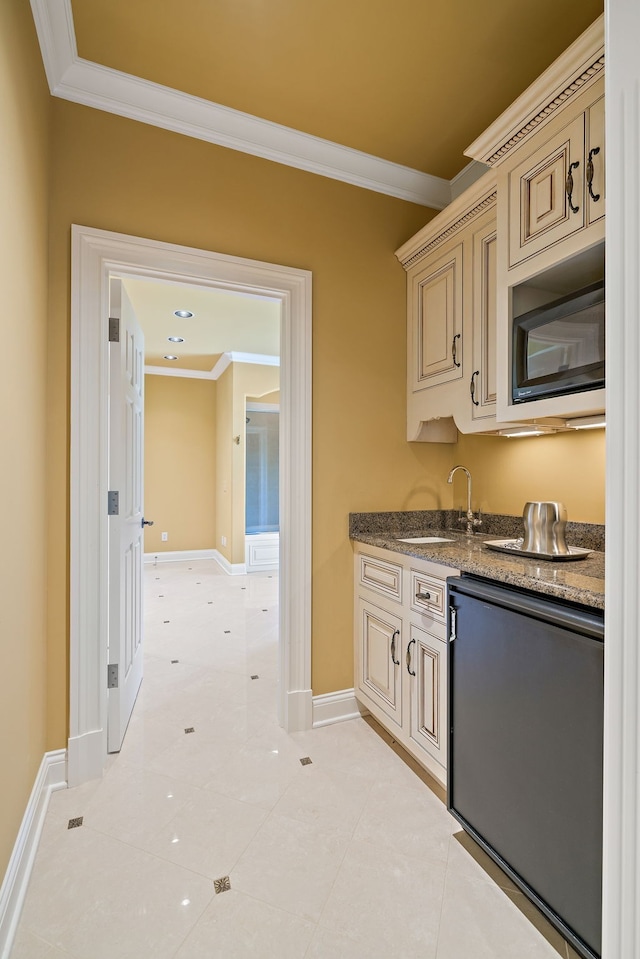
x=482 y=384
x=552 y=183
x=547 y=152
x=546 y=193
x=451 y=319
x=435 y=297
x=594 y=170
x=451 y=298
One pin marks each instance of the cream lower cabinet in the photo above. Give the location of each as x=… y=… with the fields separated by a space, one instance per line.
x=401 y=650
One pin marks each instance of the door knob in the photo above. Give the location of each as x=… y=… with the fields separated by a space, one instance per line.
x=147 y=522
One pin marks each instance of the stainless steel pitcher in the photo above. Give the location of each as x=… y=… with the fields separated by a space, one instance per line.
x=544 y=528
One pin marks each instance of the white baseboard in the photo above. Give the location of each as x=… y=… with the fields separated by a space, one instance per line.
x=180 y=555
x=52 y=775
x=336 y=707
x=234 y=569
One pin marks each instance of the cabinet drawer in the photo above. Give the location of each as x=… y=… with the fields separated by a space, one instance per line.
x=383 y=577
x=540 y=213
x=427 y=594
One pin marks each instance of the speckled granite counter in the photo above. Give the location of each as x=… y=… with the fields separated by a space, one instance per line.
x=577 y=581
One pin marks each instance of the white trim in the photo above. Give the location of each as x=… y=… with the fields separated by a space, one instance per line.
x=94 y=85
x=180 y=555
x=52 y=775
x=233 y=569
x=468 y=175
x=336 y=708
x=176 y=371
x=621 y=874
x=97 y=255
x=258 y=359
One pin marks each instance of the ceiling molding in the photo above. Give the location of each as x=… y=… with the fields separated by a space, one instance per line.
x=227 y=359
x=258 y=359
x=177 y=371
x=81 y=81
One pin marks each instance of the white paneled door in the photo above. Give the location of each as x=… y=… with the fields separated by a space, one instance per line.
x=126 y=476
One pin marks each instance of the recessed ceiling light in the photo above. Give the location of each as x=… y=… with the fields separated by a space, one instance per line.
x=183 y=314
x=169 y=356
x=176 y=339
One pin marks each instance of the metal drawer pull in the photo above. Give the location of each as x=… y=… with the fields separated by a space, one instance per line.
x=409 y=670
x=396 y=662
x=592 y=153
x=421 y=595
x=472 y=387
x=454 y=349
x=569 y=186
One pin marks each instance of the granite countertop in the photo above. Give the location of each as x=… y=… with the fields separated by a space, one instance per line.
x=577 y=581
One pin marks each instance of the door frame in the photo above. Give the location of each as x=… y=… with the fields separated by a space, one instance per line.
x=97 y=255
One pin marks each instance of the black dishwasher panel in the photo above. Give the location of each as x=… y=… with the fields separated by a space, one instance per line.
x=525 y=746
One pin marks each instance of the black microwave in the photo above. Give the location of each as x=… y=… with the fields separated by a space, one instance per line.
x=559 y=348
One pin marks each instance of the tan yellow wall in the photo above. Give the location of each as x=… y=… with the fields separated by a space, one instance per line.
x=179 y=463
x=507 y=473
x=24 y=135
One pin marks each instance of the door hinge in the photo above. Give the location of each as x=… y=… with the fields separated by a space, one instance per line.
x=114 y=329
x=113 y=502
x=112 y=676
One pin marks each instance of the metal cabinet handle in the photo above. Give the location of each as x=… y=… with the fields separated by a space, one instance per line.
x=454 y=349
x=396 y=662
x=409 y=670
x=590 y=171
x=422 y=595
x=146 y=522
x=569 y=186
x=472 y=387
x=454 y=616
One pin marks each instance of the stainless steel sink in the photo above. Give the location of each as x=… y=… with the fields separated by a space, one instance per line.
x=426 y=539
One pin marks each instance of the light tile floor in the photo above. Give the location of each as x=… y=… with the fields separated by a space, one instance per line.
x=352 y=856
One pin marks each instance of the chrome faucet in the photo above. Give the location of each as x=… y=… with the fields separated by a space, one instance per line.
x=471 y=520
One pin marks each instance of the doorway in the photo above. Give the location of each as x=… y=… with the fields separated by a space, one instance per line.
x=96 y=256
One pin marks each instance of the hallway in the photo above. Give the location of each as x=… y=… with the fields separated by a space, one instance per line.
x=210 y=836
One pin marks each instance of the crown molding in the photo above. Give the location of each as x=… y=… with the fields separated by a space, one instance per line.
x=258 y=359
x=90 y=84
x=567 y=77
x=477 y=198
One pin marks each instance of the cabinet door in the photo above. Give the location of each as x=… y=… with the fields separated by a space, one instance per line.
x=596 y=154
x=540 y=210
x=435 y=320
x=426 y=665
x=482 y=383
x=378 y=666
